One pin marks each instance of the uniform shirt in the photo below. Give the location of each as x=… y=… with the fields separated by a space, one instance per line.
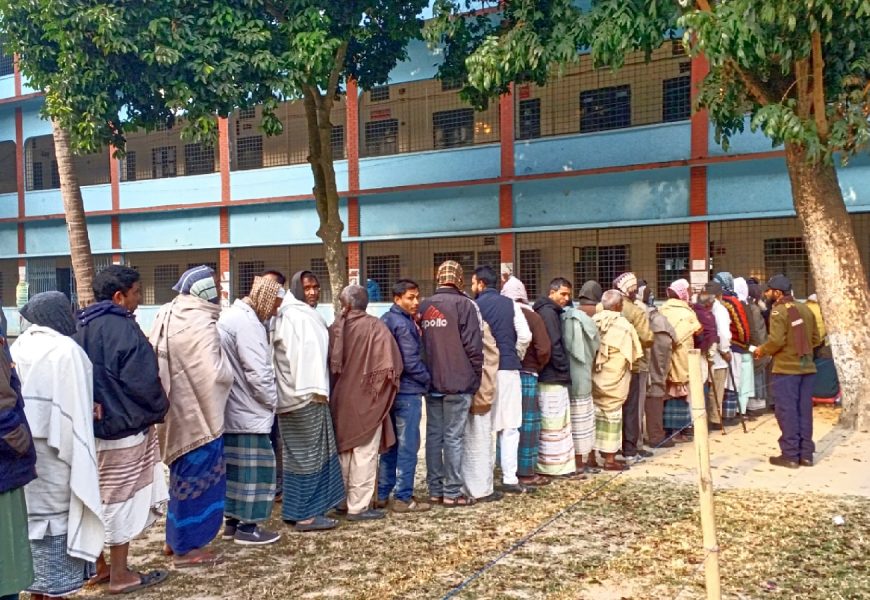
x=780 y=341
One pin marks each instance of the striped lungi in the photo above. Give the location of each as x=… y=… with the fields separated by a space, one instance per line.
x=250 y=476
x=608 y=430
x=312 y=473
x=530 y=430
x=583 y=424
x=556 y=448
x=197 y=492
x=56 y=573
x=677 y=414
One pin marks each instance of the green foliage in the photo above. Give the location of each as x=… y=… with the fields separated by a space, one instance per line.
x=753 y=47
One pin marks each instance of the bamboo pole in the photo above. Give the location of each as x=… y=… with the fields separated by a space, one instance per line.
x=705 y=479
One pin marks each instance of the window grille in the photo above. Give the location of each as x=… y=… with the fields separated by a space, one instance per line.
x=676 y=99
x=601 y=263
x=318 y=267
x=605 y=108
x=248 y=113
x=249 y=153
x=529 y=271
x=130 y=166
x=336 y=139
x=788 y=255
x=55 y=175
x=384 y=271
x=529 y=119
x=489 y=258
x=198 y=159
x=35 y=172
x=8 y=175
x=7 y=64
x=211 y=265
x=672 y=262
x=677 y=48
x=165 y=276
x=379 y=93
x=163 y=162
x=246 y=271
x=448 y=85
x=452 y=128
x=382 y=137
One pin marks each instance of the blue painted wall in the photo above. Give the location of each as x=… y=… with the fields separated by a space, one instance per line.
x=429 y=211
x=8 y=205
x=458 y=164
x=743 y=143
x=652 y=143
x=7 y=125
x=278 y=224
x=33 y=123
x=657 y=195
x=7 y=86
x=8 y=239
x=170 y=230
x=49 y=202
x=292 y=180
x=50 y=237
x=192 y=189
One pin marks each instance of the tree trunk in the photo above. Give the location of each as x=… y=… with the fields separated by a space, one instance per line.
x=76 y=223
x=840 y=278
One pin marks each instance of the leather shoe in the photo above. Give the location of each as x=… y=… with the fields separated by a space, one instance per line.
x=781 y=461
x=806 y=462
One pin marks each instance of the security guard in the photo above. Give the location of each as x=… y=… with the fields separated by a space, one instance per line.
x=793 y=335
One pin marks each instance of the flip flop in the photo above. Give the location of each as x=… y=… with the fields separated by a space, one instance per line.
x=493 y=497
x=320 y=523
x=145 y=580
x=459 y=502
x=203 y=560
x=616 y=466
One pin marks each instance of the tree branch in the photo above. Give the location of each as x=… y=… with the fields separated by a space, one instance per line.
x=337 y=69
x=803 y=83
x=819 y=87
x=756 y=88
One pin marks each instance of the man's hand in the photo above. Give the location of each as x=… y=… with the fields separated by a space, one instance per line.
x=98 y=411
x=757 y=354
x=726 y=356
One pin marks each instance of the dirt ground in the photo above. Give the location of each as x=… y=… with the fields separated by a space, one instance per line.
x=631 y=536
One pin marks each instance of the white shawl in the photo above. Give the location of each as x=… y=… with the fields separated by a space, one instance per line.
x=58 y=388
x=301 y=346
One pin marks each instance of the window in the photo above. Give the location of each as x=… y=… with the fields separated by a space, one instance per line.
x=36 y=182
x=130 y=166
x=336 y=139
x=788 y=256
x=448 y=85
x=198 y=159
x=379 y=93
x=248 y=113
x=7 y=64
x=163 y=162
x=55 y=175
x=601 y=263
x=530 y=119
x=384 y=271
x=247 y=270
x=676 y=98
x=605 y=108
x=489 y=258
x=672 y=263
x=529 y=271
x=466 y=259
x=8 y=168
x=249 y=153
x=318 y=267
x=677 y=48
x=211 y=265
x=452 y=128
x=165 y=276
x=382 y=137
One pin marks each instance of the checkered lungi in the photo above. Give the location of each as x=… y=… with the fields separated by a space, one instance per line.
x=250 y=476
x=608 y=430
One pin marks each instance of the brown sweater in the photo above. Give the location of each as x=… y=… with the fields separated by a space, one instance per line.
x=538 y=352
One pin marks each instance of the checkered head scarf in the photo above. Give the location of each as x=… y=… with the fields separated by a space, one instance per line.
x=262 y=298
x=198 y=281
x=450 y=273
x=625 y=283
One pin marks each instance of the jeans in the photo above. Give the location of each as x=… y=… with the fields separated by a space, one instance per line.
x=794 y=414
x=399 y=463
x=445 y=425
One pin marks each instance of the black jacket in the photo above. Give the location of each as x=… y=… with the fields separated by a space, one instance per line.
x=17 y=453
x=126 y=379
x=453 y=341
x=558 y=370
x=498 y=312
x=415 y=375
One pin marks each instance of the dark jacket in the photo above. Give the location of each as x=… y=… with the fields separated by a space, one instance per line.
x=498 y=312
x=17 y=453
x=453 y=341
x=415 y=375
x=538 y=353
x=126 y=379
x=558 y=369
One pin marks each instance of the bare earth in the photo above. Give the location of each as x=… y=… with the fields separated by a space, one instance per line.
x=633 y=536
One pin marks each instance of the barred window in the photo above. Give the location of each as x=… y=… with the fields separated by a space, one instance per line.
x=384 y=272
x=247 y=270
x=336 y=139
x=130 y=166
x=448 y=85
x=489 y=258
x=382 y=137
x=601 y=263
x=8 y=168
x=464 y=258
x=165 y=276
x=379 y=93
x=198 y=159
x=55 y=175
x=676 y=98
x=7 y=64
x=318 y=267
x=529 y=271
x=248 y=113
x=677 y=48
x=605 y=108
x=788 y=255
x=529 y=119
x=36 y=182
x=452 y=128
x=163 y=162
x=249 y=152
x=672 y=262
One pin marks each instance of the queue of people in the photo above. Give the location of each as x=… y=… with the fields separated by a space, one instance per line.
x=91 y=409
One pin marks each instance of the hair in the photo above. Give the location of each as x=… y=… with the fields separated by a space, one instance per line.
x=114 y=278
x=487 y=275
x=278 y=275
x=402 y=286
x=671 y=294
x=706 y=298
x=354 y=297
x=611 y=299
x=558 y=283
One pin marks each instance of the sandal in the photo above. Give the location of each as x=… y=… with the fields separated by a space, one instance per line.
x=459 y=501
x=145 y=580
x=319 y=523
x=517 y=488
x=493 y=497
x=615 y=466
x=535 y=480
x=436 y=500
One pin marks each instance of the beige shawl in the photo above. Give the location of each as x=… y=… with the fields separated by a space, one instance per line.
x=619 y=348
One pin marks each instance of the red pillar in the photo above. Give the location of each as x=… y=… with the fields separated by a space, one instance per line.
x=224 y=212
x=115 y=186
x=505 y=190
x=351 y=137
x=19 y=179
x=699 y=244
x=17 y=75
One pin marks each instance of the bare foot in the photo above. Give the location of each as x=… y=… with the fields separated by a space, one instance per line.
x=196 y=558
x=123 y=581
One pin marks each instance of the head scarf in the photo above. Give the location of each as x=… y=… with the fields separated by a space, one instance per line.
x=296 y=286
x=514 y=289
x=198 y=281
x=625 y=283
x=262 y=298
x=52 y=310
x=590 y=293
x=741 y=289
x=450 y=273
x=726 y=280
x=681 y=288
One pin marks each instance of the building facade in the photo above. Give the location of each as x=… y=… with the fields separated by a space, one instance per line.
x=596 y=173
